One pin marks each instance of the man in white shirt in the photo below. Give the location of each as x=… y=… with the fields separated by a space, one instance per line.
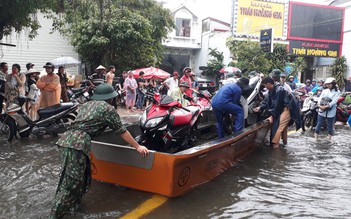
x=171 y=83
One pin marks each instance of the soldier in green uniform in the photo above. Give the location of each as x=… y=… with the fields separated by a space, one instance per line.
x=92 y=119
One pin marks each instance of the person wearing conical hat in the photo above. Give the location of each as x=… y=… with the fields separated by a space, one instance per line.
x=98 y=77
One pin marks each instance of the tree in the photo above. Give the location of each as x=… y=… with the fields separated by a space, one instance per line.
x=215 y=63
x=249 y=55
x=127 y=34
x=17 y=15
x=339 y=69
x=300 y=65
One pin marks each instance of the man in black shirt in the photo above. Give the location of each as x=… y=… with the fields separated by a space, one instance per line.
x=141 y=91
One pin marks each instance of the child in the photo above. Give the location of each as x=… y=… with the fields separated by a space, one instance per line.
x=34 y=93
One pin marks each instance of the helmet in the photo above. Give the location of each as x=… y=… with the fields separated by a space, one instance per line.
x=276 y=73
x=321 y=81
x=320 y=89
x=252 y=74
x=329 y=80
x=308 y=81
x=283 y=75
x=291 y=76
x=314 y=80
x=186 y=69
x=184 y=84
x=49 y=65
x=104 y=92
x=238 y=73
x=230 y=75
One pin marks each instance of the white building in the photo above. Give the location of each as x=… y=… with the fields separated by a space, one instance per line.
x=346 y=47
x=192 y=39
x=43 y=48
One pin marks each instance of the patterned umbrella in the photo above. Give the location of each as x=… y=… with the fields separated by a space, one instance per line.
x=66 y=62
x=152 y=72
x=229 y=70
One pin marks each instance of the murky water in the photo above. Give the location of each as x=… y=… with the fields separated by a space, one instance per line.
x=306 y=179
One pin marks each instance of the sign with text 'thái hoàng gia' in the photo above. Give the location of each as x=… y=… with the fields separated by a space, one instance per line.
x=316 y=49
x=266 y=40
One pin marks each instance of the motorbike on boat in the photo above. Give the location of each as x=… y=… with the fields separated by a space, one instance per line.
x=168 y=126
x=251 y=98
x=52 y=120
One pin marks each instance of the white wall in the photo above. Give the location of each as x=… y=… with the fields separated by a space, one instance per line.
x=45 y=47
x=346 y=48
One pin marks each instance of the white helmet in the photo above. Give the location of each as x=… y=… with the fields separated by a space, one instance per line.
x=329 y=80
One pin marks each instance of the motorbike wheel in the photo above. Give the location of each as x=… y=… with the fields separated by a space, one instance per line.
x=25 y=134
x=307 y=123
x=7 y=128
x=69 y=118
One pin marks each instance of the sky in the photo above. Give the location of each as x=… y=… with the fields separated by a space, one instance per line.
x=219 y=9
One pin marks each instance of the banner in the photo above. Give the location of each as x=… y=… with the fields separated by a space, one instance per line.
x=251 y=16
x=314 y=49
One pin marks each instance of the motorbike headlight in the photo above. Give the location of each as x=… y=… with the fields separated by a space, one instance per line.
x=153 y=122
x=143 y=117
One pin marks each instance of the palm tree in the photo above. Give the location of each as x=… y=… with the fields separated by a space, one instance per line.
x=339 y=69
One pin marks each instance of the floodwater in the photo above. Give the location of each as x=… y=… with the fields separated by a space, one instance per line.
x=305 y=179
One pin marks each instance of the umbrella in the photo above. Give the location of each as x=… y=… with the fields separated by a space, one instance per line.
x=229 y=69
x=66 y=62
x=151 y=72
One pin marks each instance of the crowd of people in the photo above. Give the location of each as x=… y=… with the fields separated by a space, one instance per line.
x=139 y=91
x=327 y=92
x=44 y=91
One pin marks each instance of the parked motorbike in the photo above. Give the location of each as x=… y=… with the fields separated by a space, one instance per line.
x=121 y=97
x=167 y=126
x=81 y=94
x=52 y=120
x=309 y=112
x=343 y=111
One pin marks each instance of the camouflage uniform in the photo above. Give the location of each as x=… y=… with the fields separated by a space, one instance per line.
x=92 y=119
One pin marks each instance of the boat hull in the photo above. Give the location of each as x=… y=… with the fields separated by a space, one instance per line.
x=173 y=174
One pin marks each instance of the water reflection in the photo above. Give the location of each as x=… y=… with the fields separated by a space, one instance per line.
x=307 y=178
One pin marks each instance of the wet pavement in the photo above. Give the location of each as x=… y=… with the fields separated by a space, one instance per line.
x=305 y=179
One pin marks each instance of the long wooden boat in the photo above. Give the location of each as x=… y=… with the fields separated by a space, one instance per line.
x=171 y=174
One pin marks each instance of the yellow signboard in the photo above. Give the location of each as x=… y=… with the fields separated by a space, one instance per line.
x=255 y=15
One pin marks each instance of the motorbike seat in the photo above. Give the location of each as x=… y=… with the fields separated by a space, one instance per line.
x=181 y=117
x=55 y=109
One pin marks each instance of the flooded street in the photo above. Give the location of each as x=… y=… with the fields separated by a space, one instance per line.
x=306 y=179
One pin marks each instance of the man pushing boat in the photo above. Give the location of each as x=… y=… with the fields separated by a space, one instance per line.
x=92 y=119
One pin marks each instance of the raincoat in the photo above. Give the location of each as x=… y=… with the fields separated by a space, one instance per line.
x=278 y=98
x=50 y=90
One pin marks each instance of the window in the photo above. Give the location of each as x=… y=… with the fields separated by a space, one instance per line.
x=183 y=27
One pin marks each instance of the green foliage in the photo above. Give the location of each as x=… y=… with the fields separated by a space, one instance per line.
x=250 y=56
x=126 y=33
x=17 y=15
x=339 y=69
x=300 y=65
x=215 y=63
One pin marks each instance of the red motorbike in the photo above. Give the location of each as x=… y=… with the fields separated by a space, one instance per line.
x=343 y=111
x=169 y=127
